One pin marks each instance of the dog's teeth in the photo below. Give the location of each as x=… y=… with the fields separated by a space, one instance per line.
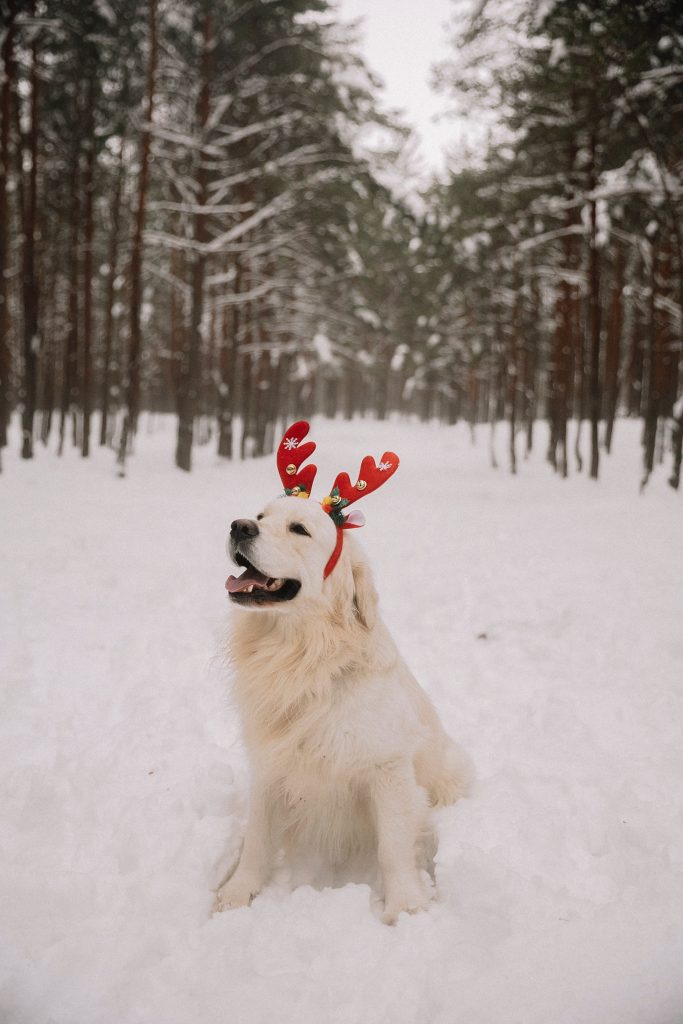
x=249 y=589
x=275 y=585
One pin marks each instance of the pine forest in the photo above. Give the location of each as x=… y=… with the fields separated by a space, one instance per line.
x=202 y=213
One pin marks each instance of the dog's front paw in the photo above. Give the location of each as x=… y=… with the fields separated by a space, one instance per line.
x=237 y=892
x=407 y=900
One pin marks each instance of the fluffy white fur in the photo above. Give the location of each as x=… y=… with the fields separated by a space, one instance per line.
x=347 y=751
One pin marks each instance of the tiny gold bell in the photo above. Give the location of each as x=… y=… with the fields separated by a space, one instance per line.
x=296 y=491
x=361 y=485
x=291 y=469
x=336 y=499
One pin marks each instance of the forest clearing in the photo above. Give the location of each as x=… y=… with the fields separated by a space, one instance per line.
x=544 y=622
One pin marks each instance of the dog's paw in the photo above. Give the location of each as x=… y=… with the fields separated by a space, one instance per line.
x=238 y=892
x=408 y=900
x=453 y=780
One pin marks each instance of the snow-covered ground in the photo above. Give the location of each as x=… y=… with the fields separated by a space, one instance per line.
x=543 y=616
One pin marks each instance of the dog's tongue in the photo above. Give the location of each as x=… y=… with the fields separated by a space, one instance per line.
x=249 y=578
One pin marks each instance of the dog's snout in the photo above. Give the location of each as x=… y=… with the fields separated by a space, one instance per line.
x=242 y=529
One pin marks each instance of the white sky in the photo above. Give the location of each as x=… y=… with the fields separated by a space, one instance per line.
x=401 y=40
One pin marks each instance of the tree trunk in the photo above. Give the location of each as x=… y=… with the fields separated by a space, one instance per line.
x=8 y=71
x=669 y=351
x=247 y=396
x=613 y=346
x=636 y=364
x=229 y=370
x=130 y=421
x=653 y=396
x=677 y=447
x=30 y=279
x=48 y=387
x=382 y=371
x=263 y=399
x=88 y=229
x=512 y=385
x=594 y=317
x=70 y=354
x=560 y=393
x=111 y=291
x=579 y=377
x=178 y=325
x=663 y=366
x=190 y=366
x=531 y=347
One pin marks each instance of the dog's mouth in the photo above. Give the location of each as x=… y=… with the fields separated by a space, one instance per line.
x=254 y=587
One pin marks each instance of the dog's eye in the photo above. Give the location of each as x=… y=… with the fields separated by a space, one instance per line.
x=260 y=515
x=299 y=528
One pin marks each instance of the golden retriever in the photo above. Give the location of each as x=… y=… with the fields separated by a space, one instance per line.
x=346 y=750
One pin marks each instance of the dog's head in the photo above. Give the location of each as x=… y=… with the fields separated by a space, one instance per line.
x=293 y=552
x=283 y=553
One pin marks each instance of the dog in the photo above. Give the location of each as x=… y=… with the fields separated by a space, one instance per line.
x=346 y=750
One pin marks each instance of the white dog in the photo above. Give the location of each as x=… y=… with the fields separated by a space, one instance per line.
x=347 y=751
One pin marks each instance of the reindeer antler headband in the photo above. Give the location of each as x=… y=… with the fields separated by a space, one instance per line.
x=298 y=482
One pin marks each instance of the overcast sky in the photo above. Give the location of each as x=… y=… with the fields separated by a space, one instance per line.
x=401 y=40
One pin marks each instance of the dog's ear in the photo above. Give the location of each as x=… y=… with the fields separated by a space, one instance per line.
x=365 y=597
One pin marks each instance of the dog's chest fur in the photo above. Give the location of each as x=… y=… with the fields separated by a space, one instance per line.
x=320 y=758
x=311 y=715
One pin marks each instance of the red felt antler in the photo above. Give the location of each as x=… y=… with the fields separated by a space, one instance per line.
x=290 y=454
x=344 y=493
x=370 y=477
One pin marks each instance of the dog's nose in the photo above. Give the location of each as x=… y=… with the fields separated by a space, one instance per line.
x=241 y=529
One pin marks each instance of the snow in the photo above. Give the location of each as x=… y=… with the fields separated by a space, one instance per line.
x=544 y=618
x=324 y=349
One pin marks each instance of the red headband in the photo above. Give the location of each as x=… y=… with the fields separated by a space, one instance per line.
x=298 y=482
